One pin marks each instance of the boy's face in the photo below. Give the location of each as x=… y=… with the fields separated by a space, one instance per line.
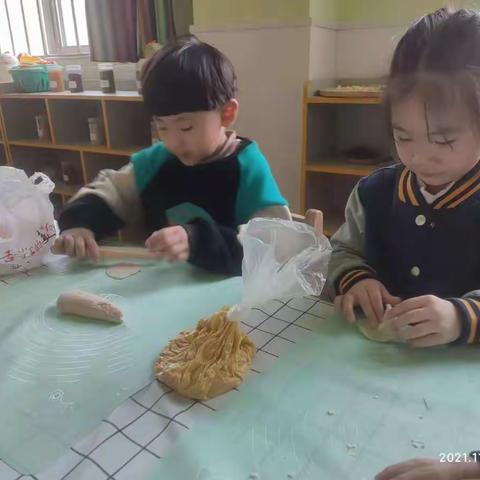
x=439 y=147
x=192 y=137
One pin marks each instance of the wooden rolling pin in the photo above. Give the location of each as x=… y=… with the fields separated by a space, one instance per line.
x=126 y=252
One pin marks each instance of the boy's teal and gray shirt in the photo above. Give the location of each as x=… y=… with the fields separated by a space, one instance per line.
x=211 y=200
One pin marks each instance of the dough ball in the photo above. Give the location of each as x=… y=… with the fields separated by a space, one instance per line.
x=207 y=361
x=85 y=304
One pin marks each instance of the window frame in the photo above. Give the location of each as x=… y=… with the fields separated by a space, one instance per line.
x=54 y=30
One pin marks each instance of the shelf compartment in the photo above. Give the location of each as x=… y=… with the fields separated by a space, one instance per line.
x=133 y=134
x=19 y=116
x=54 y=163
x=70 y=121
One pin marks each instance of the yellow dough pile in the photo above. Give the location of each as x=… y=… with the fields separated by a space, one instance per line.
x=207 y=361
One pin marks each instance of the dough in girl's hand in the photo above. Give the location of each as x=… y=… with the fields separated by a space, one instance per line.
x=383 y=333
x=85 y=304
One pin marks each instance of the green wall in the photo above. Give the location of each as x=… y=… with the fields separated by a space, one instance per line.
x=384 y=11
x=388 y=12
x=324 y=11
x=225 y=12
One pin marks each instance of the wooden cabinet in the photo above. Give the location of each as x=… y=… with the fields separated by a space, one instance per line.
x=336 y=133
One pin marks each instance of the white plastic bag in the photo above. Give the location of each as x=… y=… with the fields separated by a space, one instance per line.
x=27 y=228
x=281 y=259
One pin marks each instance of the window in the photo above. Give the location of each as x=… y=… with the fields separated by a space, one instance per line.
x=43 y=27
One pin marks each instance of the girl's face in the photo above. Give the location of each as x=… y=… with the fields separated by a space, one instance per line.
x=439 y=147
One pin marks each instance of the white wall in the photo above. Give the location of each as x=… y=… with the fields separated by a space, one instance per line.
x=322 y=52
x=365 y=52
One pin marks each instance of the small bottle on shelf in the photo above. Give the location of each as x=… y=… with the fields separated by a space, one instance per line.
x=43 y=132
x=107 y=77
x=75 y=78
x=56 y=78
x=95 y=129
x=69 y=173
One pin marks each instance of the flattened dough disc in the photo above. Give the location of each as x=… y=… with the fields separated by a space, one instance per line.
x=122 y=270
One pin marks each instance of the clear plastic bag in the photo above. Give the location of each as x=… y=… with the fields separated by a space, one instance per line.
x=27 y=228
x=281 y=259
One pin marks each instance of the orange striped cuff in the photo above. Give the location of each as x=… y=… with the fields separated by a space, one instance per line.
x=469 y=310
x=351 y=277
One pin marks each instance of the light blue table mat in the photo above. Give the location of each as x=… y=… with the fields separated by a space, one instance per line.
x=60 y=376
x=337 y=407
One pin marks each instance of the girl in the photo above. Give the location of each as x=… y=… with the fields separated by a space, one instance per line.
x=411 y=234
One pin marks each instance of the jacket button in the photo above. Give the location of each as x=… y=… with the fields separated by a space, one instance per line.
x=415 y=271
x=421 y=220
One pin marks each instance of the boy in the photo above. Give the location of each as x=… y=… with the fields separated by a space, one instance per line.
x=194 y=189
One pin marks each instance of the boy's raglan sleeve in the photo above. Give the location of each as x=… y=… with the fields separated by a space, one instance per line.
x=347 y=264
x=214 y=247
x=105 y=205
x=258 y=192
x=112 y=200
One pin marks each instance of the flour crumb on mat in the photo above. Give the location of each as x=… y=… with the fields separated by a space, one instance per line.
x=253 y=476
x=418 y=444
x=351 y=449
x=331 y=412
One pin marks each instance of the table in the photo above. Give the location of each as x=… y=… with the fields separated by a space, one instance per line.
x=133 y=439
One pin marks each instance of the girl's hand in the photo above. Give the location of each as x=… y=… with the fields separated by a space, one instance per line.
x=427 y=469
x=371 y=295
x=425 y=321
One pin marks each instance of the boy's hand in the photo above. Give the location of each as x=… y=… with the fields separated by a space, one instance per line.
x=77 y=242
x=170 y=243
x=371 y=295
x=427 y=469
x=425 y=321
